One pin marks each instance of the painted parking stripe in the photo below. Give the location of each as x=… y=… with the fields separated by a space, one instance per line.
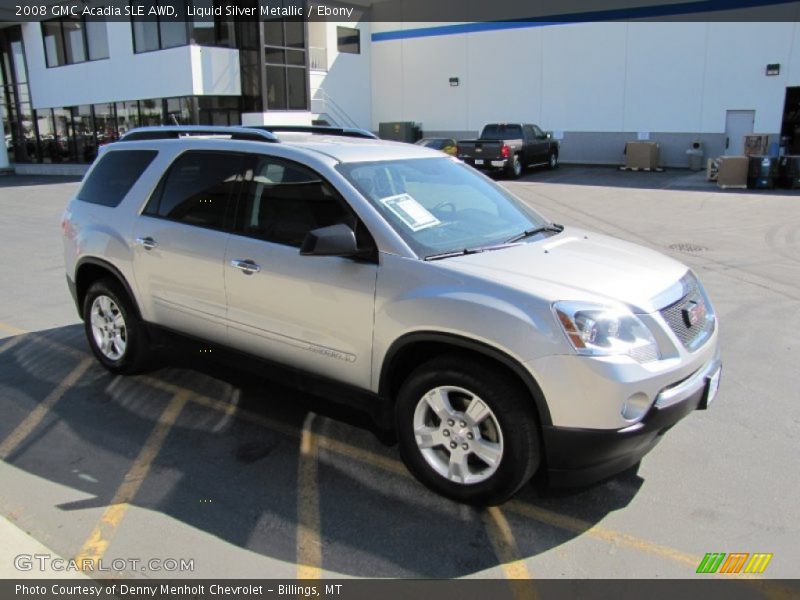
x=11 y=330
x=309 y=545
x=581 y=527
x=9 y=343
x=95 y=546
x=388 y=464
x=505 y=548
x=37 y=415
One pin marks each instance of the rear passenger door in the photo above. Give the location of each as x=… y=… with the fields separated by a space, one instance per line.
x=312 y=312
x=180 y=242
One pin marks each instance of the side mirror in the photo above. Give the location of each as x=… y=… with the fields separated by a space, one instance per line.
x=548 y=135
x=334 y=240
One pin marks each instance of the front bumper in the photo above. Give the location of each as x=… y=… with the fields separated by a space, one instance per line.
x=582 y=456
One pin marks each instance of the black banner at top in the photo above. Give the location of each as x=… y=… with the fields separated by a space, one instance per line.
x=463 y=12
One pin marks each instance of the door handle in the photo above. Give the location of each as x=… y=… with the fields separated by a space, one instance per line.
x=248 y=267
x=147 y=243
x=727 y=142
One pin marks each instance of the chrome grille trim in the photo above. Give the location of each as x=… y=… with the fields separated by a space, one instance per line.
x=694 y=336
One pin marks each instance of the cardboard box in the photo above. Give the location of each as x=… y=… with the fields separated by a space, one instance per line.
x=733 y=171
x=641 y=155
x=756 y=144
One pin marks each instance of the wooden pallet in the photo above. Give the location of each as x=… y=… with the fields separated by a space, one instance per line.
x=649 y=169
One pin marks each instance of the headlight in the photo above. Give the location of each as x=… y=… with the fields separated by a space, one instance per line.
x=597 y=330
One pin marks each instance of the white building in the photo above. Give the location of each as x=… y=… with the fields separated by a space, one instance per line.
x=595 y=85
x=71 y=85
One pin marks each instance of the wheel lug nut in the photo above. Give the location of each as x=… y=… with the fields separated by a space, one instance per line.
x=446 y=433
x=465 y=446
x=453 y=445
x=470 y=436
x=451 y=422
x=463 y=424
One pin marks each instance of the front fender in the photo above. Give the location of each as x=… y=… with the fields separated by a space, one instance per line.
x=417 y=297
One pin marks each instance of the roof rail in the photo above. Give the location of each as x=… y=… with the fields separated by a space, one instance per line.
x=166 y=132
x=320 y=129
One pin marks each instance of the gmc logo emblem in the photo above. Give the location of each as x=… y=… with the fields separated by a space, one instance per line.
x=694 y=312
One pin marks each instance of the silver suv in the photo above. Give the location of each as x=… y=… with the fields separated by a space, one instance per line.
x=501 y=343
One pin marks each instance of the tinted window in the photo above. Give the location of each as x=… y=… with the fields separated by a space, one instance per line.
x=114 y=176
x=502 y=132
x=348 y=40
x=198 y=188
x=283 y=202
x=53 y=43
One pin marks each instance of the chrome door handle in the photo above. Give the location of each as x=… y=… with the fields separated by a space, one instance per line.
x=248 y=267
x=147 y=243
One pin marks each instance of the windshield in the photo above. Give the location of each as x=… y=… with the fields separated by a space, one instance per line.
x=440 y=205
x=431 y=143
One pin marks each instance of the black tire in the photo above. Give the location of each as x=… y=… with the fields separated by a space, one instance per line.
x=510 y=404
x=552 y=160
x=133 y=359
x=514 y=167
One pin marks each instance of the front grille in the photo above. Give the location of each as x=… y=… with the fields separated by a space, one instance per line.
x=691 y=336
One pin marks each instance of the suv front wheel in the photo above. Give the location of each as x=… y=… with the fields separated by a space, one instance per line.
x=115 y=334
x=466 y=431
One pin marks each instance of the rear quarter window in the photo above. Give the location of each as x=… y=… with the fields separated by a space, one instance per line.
x=114 y=176
x=501 y=132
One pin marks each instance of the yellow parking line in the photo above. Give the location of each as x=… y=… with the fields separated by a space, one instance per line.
x=505 y=548
x=97 y=543
x=40 y=339
x=9 y=343
x=599 y=532
x=309 y=546
x=38 y=414
x=394 y=466
x=221 y=406
x=11 y=330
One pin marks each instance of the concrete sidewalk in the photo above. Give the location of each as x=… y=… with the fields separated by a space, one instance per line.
x=19 y=547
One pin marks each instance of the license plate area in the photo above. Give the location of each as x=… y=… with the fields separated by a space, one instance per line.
x=478 y=161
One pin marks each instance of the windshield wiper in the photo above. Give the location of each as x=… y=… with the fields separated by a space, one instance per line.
x=555 y=227
x=465 y=251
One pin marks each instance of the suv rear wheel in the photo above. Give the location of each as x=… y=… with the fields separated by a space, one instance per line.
x=466 y=431
x=115 y=334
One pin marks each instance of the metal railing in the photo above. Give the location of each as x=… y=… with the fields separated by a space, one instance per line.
x=317 y=58
x=323 y=104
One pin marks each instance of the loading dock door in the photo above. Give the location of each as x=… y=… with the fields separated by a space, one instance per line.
x=738 y=123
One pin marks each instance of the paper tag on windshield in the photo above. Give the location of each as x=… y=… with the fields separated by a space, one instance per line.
x=410 y=212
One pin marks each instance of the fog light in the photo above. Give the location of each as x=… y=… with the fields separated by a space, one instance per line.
x=635 y=407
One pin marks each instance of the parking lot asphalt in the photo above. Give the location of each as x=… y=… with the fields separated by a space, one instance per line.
x=245 y=477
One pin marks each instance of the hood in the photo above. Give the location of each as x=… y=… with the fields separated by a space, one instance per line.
x=579 y=265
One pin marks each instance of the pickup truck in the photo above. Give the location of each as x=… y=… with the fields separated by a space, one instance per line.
x=510 y=147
